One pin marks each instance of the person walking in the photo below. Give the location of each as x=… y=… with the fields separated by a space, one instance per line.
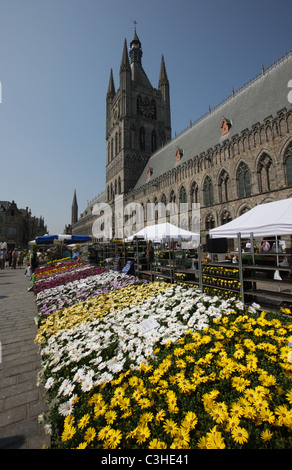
x=33 y=264
x=14 y=258
x=3 y=257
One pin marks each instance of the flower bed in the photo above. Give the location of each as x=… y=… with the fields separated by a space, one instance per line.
x=65 y=295
x=165 y=366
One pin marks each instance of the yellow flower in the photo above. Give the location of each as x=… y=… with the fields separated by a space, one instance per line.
x=215 y=439
x=83 y=421
x=240 y=435
x=82 y=445
x=68 y=433
x=284 y=415
x=110 y=416
x=142 y=433
x=266 y=435
x=159 y=416
x=156 y=444
x=202 y=443
x=104 y=433
x=289 y=396
x=170 y=427
x=190 y=420
x=90 y=434
x=115 y=437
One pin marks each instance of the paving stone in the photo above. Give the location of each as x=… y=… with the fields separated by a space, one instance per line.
x=21 y=401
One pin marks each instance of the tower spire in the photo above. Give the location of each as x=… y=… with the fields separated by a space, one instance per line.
x=111 y=85
x=125 y=65
x=74 y=216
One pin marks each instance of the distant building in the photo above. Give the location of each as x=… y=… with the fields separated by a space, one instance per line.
x=18 y=226
x=235 y=157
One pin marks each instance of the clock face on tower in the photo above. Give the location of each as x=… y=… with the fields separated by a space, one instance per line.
x=147 y=108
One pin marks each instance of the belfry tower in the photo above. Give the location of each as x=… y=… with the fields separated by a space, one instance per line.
x=137 y=120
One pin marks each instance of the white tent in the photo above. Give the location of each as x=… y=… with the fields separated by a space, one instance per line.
x=273 y=218
x=164 y=232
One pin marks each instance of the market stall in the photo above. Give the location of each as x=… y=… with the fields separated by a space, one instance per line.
x=264 y=261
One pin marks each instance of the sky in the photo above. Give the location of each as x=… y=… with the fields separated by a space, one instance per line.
x=55 y=62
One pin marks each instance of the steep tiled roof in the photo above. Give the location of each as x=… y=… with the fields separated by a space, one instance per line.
x=262 y=97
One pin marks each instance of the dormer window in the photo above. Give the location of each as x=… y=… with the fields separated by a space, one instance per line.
x=149 y=172
x=225 y=126
x=178 y=154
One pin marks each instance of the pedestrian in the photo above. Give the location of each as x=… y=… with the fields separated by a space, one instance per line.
x=76 y=254
x=33 y=264
x=150 y=255
x=3 y=258
x=14 y=258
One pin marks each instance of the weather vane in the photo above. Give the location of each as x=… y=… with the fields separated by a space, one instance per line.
x=135 y=22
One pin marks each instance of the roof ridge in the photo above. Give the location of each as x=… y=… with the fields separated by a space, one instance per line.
x=235 y=93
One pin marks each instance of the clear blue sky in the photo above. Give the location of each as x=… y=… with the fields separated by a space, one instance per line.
x=55 y=61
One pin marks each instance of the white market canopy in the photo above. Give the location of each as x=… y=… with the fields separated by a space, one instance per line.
x=272 y=218
x=164 y=232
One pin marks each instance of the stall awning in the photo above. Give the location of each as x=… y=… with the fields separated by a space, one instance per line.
x=272 y=218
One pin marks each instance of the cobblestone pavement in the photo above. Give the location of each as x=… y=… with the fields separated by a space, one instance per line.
x=21 y=401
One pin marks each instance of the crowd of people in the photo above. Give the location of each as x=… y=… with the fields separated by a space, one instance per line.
x=13 y=258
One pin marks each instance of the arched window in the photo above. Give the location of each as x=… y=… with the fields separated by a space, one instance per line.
x=194 y=193
x=208 y=191
x=142 y=138
x=225 y=217
x=153 y=108
x=288 y=165
x=119 y=186
x=210 y=222
x=139 y=101
x=116 y=143
x=120 y=140
x=223 y=188
x=172 y=197
x=264 y=173
x=153 y=141
x=132 y=136
x=112 y=149
x=243 y=180
x=182 y=195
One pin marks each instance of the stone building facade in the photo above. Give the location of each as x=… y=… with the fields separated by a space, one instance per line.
x=18 y=226
x=236 y=156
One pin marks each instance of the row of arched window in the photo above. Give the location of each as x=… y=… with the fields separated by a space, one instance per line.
x=137 y=141
x=265 y=178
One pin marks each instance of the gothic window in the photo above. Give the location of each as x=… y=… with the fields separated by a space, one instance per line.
x=172 y=196
x=142 y=138
x=225 y=217
x=116 y=187
x=116 y=143
x=108 y=193
x=243 y=180
x=132 y=137
x=223 y=186
x=210 y=222
x=120 y=140
x=153 y=107
x=112 y=149
x=208 y=191
x=288 y=165
x=194 y=193
x=139 y=101
x=163 y=199
x=153 y=141
x=182 y=195
x=119 y=186
x=264 y=173
x=108 y=153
